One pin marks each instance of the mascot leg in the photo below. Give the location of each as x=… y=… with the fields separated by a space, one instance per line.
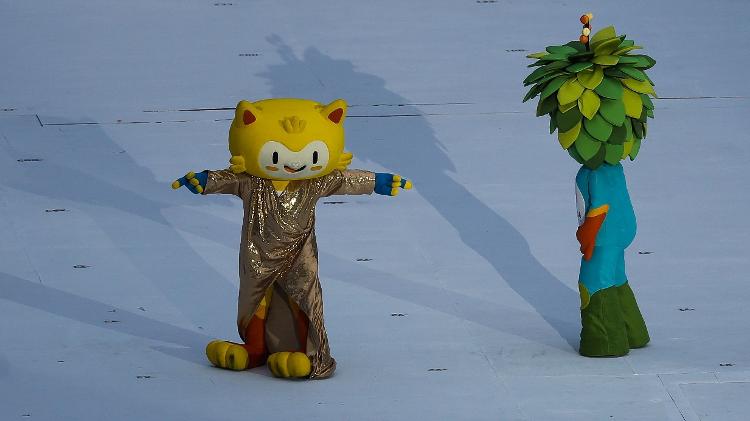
x=603 y=332
x=252 y=353
x=293 y=364
x=634 y=324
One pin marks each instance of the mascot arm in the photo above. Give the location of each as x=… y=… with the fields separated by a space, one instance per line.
x=388 y=184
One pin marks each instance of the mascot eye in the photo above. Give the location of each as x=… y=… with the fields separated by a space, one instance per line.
x=275 y=157
x=315 y=157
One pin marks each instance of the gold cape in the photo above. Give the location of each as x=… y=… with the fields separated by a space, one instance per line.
x=278 y=250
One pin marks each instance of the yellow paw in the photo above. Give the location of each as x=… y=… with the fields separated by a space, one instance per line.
x=227 y=355
x=237 y=164
x=289 y=364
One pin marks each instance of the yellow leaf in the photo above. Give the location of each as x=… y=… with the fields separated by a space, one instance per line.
x=567 y=138
x=601 y=35
x=628 y=147
x=633 y=103
x=589 y=103
x=564 y=108
x=637 y=86
x=569 y=91
x=591 y=79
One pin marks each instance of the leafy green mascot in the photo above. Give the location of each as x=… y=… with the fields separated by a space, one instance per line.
x=596 y=94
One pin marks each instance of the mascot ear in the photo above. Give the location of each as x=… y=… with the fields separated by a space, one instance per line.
x=245 y=114
x=335 y=111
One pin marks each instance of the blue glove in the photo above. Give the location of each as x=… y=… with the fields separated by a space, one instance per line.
x=387 y=184
x=196 y=183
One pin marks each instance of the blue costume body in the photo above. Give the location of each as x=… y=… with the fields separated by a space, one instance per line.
x=606 y=186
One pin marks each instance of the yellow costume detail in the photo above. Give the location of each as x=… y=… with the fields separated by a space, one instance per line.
x=289 y=364
x=288 y=139
x=598 y=211
x=585 y=296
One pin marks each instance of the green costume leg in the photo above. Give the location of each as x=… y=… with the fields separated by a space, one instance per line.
x=634 y=324
x=603 y=332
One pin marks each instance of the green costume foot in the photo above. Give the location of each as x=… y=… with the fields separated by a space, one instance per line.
x=634 y=324
x=603 y=332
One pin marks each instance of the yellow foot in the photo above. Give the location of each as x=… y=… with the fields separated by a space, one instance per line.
x=289 y=364
x=227 y=355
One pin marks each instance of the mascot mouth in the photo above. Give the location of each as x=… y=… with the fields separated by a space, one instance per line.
x=292 y=170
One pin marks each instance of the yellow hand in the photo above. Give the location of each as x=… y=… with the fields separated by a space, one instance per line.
x=398 y=182
x=344 y=161
x=189 y=178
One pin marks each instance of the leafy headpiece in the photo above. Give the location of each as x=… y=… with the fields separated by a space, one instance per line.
x=596 y=95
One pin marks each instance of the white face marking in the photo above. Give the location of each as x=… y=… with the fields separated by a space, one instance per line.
x=280 y=163
x=580 y=206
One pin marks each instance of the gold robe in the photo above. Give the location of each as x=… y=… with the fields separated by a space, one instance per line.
x=278 y=250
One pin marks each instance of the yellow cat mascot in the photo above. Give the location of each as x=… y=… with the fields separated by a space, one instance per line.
x=286 y=154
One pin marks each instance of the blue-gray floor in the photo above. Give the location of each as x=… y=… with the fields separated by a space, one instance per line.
x=112 y=283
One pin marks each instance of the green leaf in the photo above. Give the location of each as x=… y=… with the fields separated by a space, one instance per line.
x=650 y=113
x=561 y=49
x=578 y=45
x=634 y=151
x=555 y=65
x=575 y=155
x=554 y=57
x=629 y=136
x=618 y=136
x=644 y=62
x=536 y=75
x=553 y=86
x=643 y=117
x=590 y=79
x=633 y=72
x=569 y=91
x=609 y=88
x=598 y=128
x=597 y=160
x=567 y=138
x=613 y=111
x=606 y=47
x=589 y=103
x=601 y=35
x=583 y=55
x=577 y=67
x=615 y=72
x=552 y=123
x=613 y=153
x=622 y=50
x=637 y=129
x=534 y=91
x=551 y=76
x=537 y=55
x=629 y=60
x=567 y=120
x=606 y=60
x=586 y=146
x=546 y=106
x=626 y=43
